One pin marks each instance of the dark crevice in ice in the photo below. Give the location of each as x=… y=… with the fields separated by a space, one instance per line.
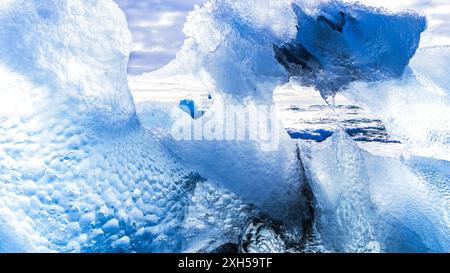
x=296 y=59
x=307 y=195
x=339 y=27
x=265 y=234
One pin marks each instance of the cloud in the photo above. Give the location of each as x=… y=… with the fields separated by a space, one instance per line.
x=157 y=28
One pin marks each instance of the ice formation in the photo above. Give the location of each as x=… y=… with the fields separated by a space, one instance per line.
x=415 y=108
x=339 y=43
x=332 y=47
x=325 y=44
x=79 y=172
x=375 y=203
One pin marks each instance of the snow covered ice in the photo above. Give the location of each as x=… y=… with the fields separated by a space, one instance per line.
x=86 y=165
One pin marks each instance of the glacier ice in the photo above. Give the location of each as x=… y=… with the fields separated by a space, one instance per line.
x=343 y=182
x=338 y=43
x=333 y=47
x=326 y=44
x=375 y=203
x=77 y=170
x=80 y=171
x=236 y=38
x=415 y=108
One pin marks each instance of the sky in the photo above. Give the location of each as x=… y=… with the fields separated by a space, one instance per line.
x=157 y=27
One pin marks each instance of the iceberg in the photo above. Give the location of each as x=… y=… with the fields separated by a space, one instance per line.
x=415 y=108
x=375 y=203
x=83 y=168
x=78 y=172
x=366 y=54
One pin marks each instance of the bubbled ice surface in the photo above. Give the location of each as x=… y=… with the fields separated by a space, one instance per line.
x=77 y=171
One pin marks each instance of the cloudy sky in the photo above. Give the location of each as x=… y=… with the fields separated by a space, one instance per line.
x=157 y=27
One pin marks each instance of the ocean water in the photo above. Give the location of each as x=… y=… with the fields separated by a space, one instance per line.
x=303 y=112
x=306 y=116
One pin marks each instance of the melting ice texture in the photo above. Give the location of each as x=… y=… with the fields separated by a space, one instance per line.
x=243 y=50
x=325 y=44
x=74 y=162
x=78 y=172
x=339 y=43
x=375 y=203
x=416 y=107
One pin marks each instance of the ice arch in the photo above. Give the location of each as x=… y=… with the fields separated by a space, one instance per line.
x=242 y=50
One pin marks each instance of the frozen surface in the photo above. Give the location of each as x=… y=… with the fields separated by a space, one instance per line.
x=77 y=170
x=368 y=199
x=81 y=170
x=157 y=27
x=416 y=108
x=375 y=203
x=327 y=45
x=339 y=43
